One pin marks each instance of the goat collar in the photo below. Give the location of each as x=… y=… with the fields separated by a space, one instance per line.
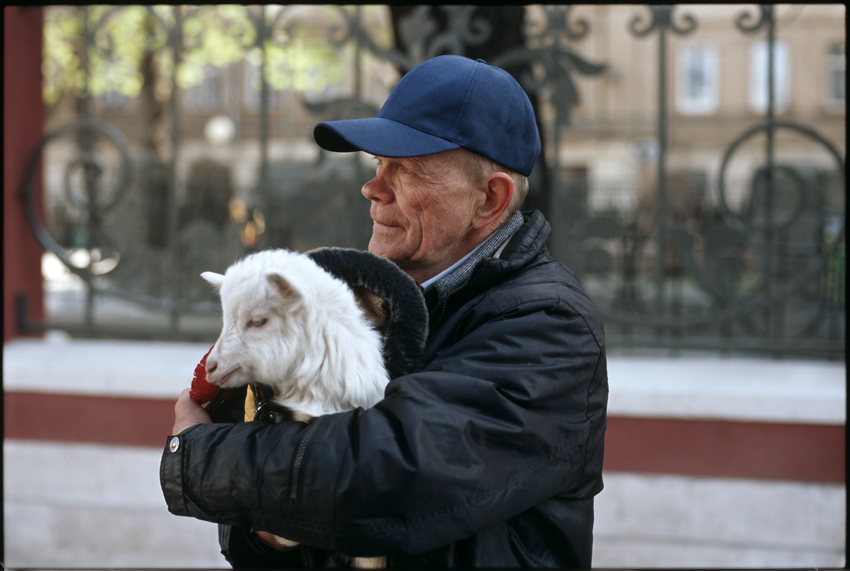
x=266 y=410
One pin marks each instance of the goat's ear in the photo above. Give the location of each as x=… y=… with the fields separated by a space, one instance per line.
x=284 y=288
x=213 y=278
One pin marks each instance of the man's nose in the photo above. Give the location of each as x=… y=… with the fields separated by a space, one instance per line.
x=376 y=190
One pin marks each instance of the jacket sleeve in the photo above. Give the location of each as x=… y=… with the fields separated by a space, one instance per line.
x=510 y=414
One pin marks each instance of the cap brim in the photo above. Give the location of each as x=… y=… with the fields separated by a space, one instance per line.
x=378 y=136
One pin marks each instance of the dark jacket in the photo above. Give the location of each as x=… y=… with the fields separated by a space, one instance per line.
x=488 y=456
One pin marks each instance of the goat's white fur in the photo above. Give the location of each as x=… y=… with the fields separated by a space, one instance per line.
x=290 y=325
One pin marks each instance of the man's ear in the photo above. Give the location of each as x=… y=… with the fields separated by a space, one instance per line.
x=498 y=191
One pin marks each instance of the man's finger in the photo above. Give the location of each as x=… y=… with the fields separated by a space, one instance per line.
x=188 y=413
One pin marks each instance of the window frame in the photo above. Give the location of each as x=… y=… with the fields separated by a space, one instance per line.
x=836 y=63
x=781 y=76
x=707 y=100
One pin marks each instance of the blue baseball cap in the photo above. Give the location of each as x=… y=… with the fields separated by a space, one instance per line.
x=442 y=104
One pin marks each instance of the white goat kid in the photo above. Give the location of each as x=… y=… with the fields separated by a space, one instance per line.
x=290 y=325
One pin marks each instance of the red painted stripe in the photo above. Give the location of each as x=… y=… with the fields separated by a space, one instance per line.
x=82 y=418
x=727 y=449
x=707 y=448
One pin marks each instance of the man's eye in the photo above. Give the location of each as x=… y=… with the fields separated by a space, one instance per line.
x=257 y=321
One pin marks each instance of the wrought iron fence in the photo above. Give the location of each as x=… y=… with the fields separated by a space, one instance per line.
x=755 y=263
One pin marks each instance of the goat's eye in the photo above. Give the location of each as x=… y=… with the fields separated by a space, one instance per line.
x=257 y=321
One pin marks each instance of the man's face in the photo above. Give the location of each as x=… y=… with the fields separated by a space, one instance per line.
x=422 y=210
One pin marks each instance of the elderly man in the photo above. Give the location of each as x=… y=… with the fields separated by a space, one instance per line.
x=490 y=453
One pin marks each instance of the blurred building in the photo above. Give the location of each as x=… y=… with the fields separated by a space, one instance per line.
x=716 y=87
x=682 y=188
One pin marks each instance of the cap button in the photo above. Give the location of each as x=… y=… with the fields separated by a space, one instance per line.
x=482 y=61
x=174 y=445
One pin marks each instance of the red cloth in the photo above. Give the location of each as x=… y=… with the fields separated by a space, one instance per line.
x=202 y=391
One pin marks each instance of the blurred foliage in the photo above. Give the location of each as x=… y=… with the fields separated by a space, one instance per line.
x=61 y=63
x=299 y=57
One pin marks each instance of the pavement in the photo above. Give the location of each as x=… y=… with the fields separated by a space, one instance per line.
x=94 y=506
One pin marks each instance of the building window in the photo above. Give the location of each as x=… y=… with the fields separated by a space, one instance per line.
x=836 y=66
x=759 y=77
x=697 y=80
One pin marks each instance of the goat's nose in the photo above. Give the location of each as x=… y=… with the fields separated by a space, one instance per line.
x=211 y=365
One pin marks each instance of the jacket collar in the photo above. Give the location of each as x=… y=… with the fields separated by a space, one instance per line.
x=452 y=280
x=528 y=240
x=516 y=241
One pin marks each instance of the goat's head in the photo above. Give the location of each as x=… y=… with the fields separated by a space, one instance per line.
x=265 y=320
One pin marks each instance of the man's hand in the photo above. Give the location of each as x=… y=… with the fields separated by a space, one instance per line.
x=188 y=413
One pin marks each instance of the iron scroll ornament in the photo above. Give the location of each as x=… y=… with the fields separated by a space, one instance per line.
x=662 y=17
x=93 y=273
x=743 y=138
x=733 y=305
x=92 y=170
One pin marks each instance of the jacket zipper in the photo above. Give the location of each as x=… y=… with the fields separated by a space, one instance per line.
x=302 y=448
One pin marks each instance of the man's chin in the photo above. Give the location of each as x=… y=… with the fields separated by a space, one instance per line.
x=380 y=249
x=391 y=254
